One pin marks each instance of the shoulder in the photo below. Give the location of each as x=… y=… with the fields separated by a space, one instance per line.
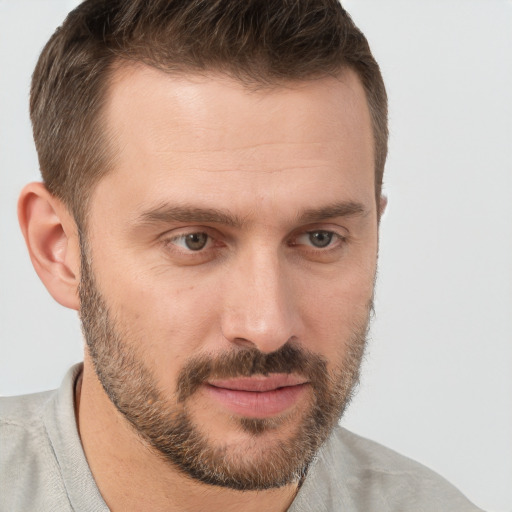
x=21 y=421
x=360 y=474
x=24 y=408
x=28 y=467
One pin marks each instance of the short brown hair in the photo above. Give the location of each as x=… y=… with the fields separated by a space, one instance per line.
x=260 y=42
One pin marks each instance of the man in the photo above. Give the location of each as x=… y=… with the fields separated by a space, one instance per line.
x=211 y=199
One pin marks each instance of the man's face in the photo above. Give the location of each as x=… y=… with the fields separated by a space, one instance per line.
x=228 y=269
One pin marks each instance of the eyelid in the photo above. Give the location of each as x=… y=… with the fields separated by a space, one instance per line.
x=170 y=237
x=338 y=231
x=336 y=240
x=183 y=237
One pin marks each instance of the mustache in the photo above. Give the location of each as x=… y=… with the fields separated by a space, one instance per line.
x=247 y=362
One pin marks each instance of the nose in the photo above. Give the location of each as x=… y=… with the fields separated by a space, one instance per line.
x=260 y=304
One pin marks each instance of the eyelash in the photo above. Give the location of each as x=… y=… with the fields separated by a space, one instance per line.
x=185 y=235
x=336 y=242
x=332 y=242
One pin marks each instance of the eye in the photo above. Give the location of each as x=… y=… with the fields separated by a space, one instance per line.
x=191 y=241
x=319 y=238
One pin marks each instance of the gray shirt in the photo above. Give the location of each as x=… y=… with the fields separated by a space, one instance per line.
x=43 y=467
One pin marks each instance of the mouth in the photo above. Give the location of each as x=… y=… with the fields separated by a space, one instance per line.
x=258 y=396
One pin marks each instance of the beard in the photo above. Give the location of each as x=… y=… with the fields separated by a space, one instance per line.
x=166 y=423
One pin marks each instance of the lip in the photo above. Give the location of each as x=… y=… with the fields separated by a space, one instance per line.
x=258 y=396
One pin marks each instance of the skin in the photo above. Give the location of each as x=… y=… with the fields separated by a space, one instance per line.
x=266 y=159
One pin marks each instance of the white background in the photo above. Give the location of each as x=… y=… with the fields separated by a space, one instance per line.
x=437 y=381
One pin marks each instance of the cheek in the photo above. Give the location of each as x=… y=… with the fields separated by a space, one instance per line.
x=178 y=311
x=336 y=309
x=164 y=317
x=339 y=310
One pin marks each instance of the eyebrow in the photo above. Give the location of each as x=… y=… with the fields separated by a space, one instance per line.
x=342 y=209
x=191 y=214
x=176 y=213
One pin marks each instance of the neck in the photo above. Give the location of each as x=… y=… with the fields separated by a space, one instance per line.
x=131 y=476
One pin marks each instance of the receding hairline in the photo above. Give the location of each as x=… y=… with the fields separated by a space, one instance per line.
x=263 y=45
x=122 y=69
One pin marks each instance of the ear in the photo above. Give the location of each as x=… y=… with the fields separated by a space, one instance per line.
x=383 y=202
x=51 y=236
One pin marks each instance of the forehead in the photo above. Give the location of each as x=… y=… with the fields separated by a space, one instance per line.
x=176 y=132
x=215 y=104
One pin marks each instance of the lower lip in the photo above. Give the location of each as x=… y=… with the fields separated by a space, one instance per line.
x=254 y=404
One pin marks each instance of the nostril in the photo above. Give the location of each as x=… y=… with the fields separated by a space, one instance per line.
x=243 y=342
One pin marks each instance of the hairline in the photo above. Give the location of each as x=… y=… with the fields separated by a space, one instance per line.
x=121 y=67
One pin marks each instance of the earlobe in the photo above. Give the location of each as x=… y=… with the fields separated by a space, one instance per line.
x=51 y=236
